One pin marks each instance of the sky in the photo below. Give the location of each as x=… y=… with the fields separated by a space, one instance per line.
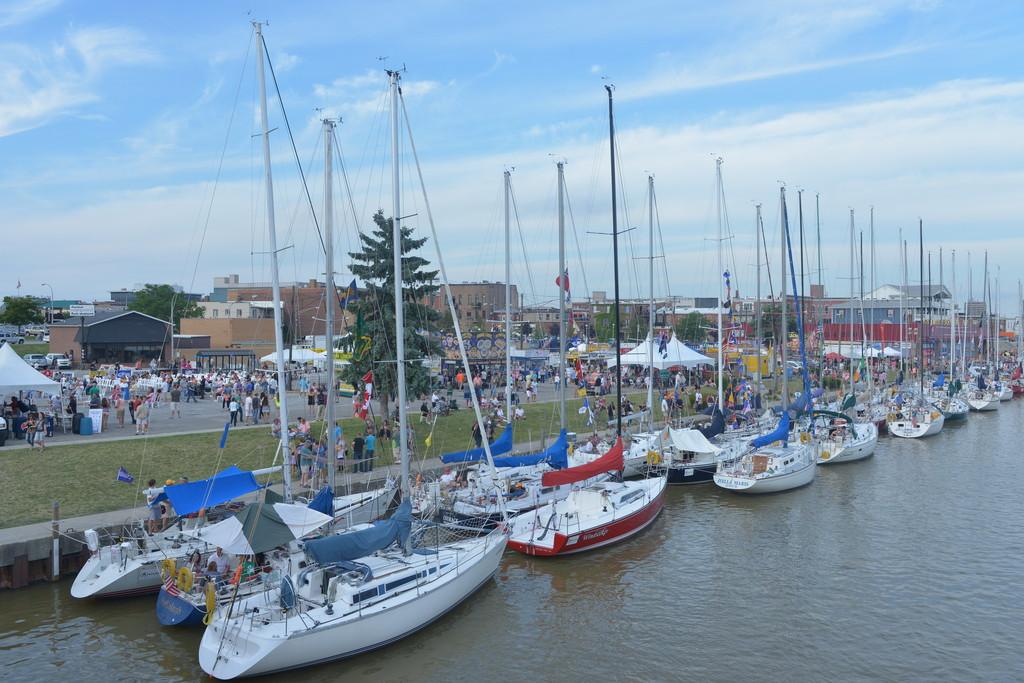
x=129 y=135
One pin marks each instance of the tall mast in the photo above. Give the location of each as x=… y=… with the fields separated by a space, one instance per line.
x=903 y=302
x=396 y=236
x=508 y=301
x=800 y=213
x=931 y=303
x=871 y=228
x=817 y=226
x=851 y=300
x=863 y=329
x=920 y=331
x=721 y=275
x=757 y=296
x=275 y=283
x=785 y=336
x=561 y=296
x=650 y=300
x=952 y=324
x=330 y=296
x=615 y=258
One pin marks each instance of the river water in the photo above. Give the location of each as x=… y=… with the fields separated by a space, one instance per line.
x=905 y=566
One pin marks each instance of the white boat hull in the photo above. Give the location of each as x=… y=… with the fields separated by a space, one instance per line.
x=772 y=484
x=862 y=447
x=983 y=403
x=245 y=653
x=908 y=429
x=113 y=573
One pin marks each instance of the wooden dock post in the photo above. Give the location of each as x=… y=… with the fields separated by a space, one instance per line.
x=55 y=573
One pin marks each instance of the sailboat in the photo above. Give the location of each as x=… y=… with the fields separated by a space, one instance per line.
x=131 y=565
x=911 y=415
x=364 y=589
x=777 y=461
x=605 y=512
x=946 y=397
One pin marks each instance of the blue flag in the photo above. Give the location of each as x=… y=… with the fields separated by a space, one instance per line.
x=349 y=294
x=224 y=436
x=122 y=475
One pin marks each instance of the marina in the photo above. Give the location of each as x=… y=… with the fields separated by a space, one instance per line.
x=898 y=566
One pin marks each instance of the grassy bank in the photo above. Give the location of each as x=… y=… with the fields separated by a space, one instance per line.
x=82 y=477
x=30 y=347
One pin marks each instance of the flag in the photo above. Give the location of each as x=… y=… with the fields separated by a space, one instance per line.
x=368 y=385
x=663 y=344
x=429 y=440
x=585 y=408
x=19 y=284
x=348 y=295
x=170 y=586
x=579 y=370
x=122 y=475
x=563 y=282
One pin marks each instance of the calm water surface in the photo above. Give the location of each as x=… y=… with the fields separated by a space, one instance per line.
x=909 y=565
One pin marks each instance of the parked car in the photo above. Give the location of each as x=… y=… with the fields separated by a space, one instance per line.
x=4 y=432
x=11 y=338
x=46 y=337
x=58 y=361
x=37 y=360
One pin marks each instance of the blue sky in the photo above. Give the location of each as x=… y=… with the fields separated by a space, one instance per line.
x=113 y=117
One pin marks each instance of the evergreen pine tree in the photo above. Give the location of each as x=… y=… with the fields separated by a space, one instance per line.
x=375 y=347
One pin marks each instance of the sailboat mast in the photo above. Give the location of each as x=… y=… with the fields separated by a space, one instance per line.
x=275 y=283
x=561 y=296
x=782 y=299
x=721 y=276
x=860 y=299
x=508 y=301
x=818 y=317
x=757 y=296
x=800 y=212
x=650 y=301
x=850 y=353
x=903 y=301
x=396 y=248
x=330 y=299
x=920 y=321
x=952 y=324
x=615 y=258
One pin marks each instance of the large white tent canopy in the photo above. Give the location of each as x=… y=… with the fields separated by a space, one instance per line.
x=676 y=354
x=17 y=375
x=297 y=354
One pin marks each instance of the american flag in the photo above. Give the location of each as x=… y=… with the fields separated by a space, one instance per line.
x=171 y=586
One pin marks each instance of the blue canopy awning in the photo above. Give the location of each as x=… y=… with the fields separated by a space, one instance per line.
x=353 y=545
x=323 y=502
x=503 y=444
x=556 y=455
x=220 y=488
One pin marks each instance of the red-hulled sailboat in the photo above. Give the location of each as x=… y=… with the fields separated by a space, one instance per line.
x=591 y=516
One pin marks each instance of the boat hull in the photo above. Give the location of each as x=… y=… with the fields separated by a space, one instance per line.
x=596 y=536
x=857 y=450
x=247 y=654
x=111 y=581
x=907 y=429
x=176 y=610
x=679 y=474
x=782 y=482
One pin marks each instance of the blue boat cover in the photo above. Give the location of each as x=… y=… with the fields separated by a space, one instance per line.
x=781 y=433
x=352 y=545
x=194 y=496
x=938 y=383
x=503 y=444
x=556 y=455
x=323 y=502
x=715 y=427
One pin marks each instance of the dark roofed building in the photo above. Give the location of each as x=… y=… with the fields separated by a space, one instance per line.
x=124 y=337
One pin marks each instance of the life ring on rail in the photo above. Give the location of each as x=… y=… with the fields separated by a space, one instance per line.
x=237 y=575
x=168 y=567
x=211 y=601
x=653 y=458
x=185 y=579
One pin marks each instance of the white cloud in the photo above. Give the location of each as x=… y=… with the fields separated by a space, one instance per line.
x=17 y=12
x=37 y=84
x=285 y=62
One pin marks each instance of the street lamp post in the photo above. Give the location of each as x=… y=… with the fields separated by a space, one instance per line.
x=51 y=300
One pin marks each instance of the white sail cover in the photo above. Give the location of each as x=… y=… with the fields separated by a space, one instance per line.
x=17 y=375
x=692 y=441
x=230 y=534
x=676 y=354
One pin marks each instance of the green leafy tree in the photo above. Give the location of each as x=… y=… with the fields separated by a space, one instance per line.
x=771 y=319
x=692 y=328
x=375 y=313
x=156 y=300
x=21 y=310
x=604 y=326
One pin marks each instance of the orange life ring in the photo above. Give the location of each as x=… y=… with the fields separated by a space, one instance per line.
x=238 y=575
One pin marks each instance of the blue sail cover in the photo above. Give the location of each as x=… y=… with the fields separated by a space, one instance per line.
x=220 y=488
x=938 y=383
x=716 y=426
x=781 y=433
x=556 y=455
x=353 y=545
x=323 y=502
x=503 y=444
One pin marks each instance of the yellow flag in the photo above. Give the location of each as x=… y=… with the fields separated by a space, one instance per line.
x=429 y=439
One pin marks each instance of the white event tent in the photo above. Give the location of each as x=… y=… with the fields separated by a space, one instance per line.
x=676 y=354
x=17 y=375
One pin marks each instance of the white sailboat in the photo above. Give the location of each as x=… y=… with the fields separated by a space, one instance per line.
x=364 y=589
x=780 y=460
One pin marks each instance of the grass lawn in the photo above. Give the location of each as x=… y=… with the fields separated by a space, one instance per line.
x=30 y=347
x=83 y=477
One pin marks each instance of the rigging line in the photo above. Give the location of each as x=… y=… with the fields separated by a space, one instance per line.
x=522 y=240
x=661 y=242
x=625 y=215
x=575 y=236
x=767 y=263
x=291 y=138
x=220 y=164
